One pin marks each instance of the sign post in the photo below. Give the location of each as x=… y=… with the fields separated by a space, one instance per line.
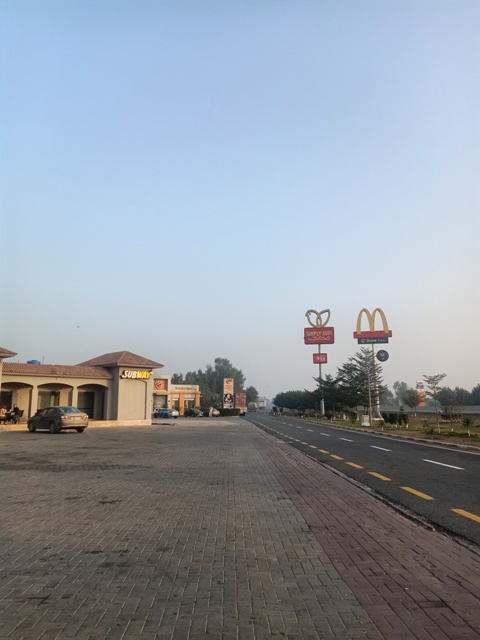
x=228 y=391
x=318 y=333
x=373 y=337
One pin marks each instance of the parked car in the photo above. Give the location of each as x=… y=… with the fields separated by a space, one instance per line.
x=211 y=411
x=57 y=419
x=165 y=413
x=192 y=413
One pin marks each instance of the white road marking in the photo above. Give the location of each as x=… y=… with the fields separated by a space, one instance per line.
x=443 y=464
x=310 y=430
x=325 y=434
x=381 y=448
x=346 y=439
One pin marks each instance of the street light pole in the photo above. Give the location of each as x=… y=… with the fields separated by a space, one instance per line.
x=369 y=399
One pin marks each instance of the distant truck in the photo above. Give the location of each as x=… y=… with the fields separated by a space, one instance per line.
x=241 y=402
x=262 y=404
x=252 y=406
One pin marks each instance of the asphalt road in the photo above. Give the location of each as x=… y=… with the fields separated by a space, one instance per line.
x=439 y=484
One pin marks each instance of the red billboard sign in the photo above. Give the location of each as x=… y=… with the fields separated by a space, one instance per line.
x=320 y=335
x=319 y=358
x=241 y=400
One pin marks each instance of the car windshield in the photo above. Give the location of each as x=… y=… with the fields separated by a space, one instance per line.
x=69 y=410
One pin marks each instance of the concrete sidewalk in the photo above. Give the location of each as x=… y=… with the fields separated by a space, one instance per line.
x=213 y=529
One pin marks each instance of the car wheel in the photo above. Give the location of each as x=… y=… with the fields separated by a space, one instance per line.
x=53 y=428
x=31 y=428
x=80 y=429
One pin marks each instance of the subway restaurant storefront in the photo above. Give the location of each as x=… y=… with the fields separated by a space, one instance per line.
x=115 y=388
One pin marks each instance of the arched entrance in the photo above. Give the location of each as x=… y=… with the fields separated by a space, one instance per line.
x=91 y=399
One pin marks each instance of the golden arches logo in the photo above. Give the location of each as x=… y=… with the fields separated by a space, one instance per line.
x=371 y=324
x=318 y=322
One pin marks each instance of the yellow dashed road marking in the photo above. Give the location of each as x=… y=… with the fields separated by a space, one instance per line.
x=417 y=493
x=377 y=475
x=323 y=451
x=357 y=466
x=467 y=514
x=312 y=446
x=336 y=457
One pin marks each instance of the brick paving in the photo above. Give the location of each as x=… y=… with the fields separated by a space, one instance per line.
x=212 y=529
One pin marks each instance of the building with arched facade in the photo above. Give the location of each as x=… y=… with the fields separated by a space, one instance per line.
x=115 y=387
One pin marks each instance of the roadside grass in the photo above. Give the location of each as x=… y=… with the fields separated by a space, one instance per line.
x=466 y=431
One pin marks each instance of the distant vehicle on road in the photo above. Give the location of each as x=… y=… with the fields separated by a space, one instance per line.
x=56 y=419
x=262 y=404
x=192 y=413
x=252 y=406
x=165 y=413
x=241 y=402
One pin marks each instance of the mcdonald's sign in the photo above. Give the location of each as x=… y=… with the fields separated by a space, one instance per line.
x=372 y=336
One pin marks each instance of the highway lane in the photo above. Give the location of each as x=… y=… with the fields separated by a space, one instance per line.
x=440 y=484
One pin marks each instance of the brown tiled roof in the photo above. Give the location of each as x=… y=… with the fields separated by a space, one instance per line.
x=122 y=358
x=55 y=370
x=5 y=353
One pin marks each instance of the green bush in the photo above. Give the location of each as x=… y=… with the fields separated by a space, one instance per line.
x=429 y=430
x=229 y=412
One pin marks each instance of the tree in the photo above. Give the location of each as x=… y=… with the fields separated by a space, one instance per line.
x=210 y=381
x=464 y=397
x=360 y=381
x=386 y=396
x=252 y=394
x=399 y=389
x=410 y=398
x=295 y=400
x=223 y=368
x=433 y=383
x=475 y=395
x=328 y=391
x=449 y=402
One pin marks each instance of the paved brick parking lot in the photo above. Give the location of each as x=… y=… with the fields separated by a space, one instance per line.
x=212 y=529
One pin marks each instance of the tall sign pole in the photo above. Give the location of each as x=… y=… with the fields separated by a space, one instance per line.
x=373 y=337
x=319 y=334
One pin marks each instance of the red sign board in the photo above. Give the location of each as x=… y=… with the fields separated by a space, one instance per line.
x=322 y=335
x=241 y=400
x=372 y=334
x=319 y=358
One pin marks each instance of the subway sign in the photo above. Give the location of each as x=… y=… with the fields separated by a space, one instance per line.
x=131 y=374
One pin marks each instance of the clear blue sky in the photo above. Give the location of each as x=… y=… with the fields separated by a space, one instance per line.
x=185 y=180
